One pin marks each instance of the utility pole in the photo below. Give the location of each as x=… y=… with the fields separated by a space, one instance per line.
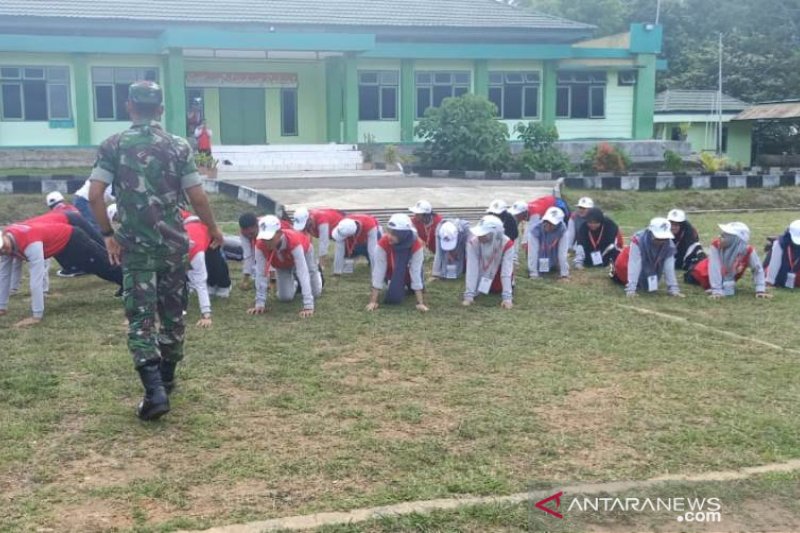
x=658 y=11
x=719 y=101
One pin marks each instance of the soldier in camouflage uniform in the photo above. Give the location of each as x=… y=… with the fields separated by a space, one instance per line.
x=150 y=170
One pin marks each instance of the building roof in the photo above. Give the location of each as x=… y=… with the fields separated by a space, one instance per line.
x=788 y=109
x=690 y=101
x=372 y=13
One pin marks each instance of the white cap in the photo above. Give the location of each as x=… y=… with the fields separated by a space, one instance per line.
x=346 y=228
x=488 y=224
x=54 y=198
x=660 y=228
x=518 y=207
x=677 y=215
x=400 y=222
x=448 y=236
x=497 y=207
x=111 y=211
x=586 y=202
x=739 y=229
x=554 y=215
x=268 y=226
x=300 y=218
x=794 y=232
x=423 y=207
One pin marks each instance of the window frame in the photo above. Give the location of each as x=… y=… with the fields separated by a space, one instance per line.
x=454 y=85
x=593 y=80
x=19 y=81
x=524 y=84
x=381 y=84
x=140 y=73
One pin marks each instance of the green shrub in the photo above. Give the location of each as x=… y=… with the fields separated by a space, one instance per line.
x=672 y=161
x=390 y=155
x=540 y=153
x=464 y=134
x=606 y=158
x=711 y=163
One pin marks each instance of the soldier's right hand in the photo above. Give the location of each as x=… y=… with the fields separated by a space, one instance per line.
x=3 y=312
x=217 y=238
x=256 y=310
x=114 y=251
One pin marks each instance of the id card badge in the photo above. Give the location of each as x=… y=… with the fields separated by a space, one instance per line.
x=597 y=258
x=652 y=283
x=544 y=264
x=790 y=280
x=349 y=266
x=451 y=272
x=485 y=285
x=728 y=288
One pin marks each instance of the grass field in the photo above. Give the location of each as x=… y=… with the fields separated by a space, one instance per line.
x=278 y=416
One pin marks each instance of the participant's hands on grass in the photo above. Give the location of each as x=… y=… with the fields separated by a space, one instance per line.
x=631 y=295
x=205 y=322
x=372 y=306
x=246 y=284
x=678 y=295
x=764 y=295
x=306 y=313
x=715 y=296
x=466 y=303
x=506 y=304
x=564 y=279
x=256 y=310
x=30 y=321
x=422 y=308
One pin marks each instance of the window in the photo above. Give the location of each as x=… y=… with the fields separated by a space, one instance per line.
x=110 y=86
x=516 y=94
x=377 y=95
x=626 y=77
x=35 y=93
x=724 y=147
x=433 y=87
x=581 y=94
x=288 y=112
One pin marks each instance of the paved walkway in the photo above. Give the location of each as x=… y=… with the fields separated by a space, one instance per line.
x=370 y=189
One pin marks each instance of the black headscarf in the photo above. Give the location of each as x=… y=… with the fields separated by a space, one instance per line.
x=607 y=235
x=395 y=293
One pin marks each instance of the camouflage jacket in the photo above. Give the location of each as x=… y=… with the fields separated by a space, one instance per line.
x=149 y=169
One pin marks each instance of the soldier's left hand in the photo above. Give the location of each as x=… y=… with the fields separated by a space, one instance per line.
x=217 y=239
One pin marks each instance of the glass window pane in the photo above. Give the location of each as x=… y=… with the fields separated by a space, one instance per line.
x=368 y=78
x=389 y=103
x=368 y=104
x=104 y=102
x=12 y=101
x=150 y=74
x=496 y=97
x=496 y=78
x=565 y=76
x=461 y=77
x=121 y=97
x=58 y=74
x=440 y=92
x=288 y=112
x=10 y=73
x=389 y=77
x=562 y=102
x=531 y=102
x=459 y=91
x=102 y=75
x=423 y=100
x=597 y=77
x=125 y=75
x=598 y=102
x=442 y=78
x=34 y=73
x=59 y=102
x=35 y=100
x=514 y=77
x=423 y=77
x=579 y=102
x=512 y=101
x=532 y=77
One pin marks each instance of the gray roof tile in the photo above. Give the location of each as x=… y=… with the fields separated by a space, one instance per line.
x=391 y=13
x=677 y=100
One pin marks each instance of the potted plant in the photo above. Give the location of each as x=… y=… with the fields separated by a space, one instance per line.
x=207 y=165
x=391 y=157
x=368 y=151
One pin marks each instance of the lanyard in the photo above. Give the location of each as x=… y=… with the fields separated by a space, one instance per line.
x=546 y=249
x=596 y=243
x=485 y=265
x=350 y=245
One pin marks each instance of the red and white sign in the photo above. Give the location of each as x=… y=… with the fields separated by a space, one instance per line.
x=241 y=79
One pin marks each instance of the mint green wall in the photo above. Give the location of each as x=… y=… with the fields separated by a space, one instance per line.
x=310 y=95
x=740 y=142
x=211 y=111
x=385 y=131
x=18 y=133
x=618 y=123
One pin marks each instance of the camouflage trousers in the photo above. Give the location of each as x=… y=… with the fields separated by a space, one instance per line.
x=154 y=287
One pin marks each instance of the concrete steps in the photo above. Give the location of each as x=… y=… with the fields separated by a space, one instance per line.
x=289 y=158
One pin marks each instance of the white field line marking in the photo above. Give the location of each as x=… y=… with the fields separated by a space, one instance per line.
x=305 y=522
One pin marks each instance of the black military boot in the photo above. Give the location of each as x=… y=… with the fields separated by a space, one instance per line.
x=168 y=374
x=155 y=402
